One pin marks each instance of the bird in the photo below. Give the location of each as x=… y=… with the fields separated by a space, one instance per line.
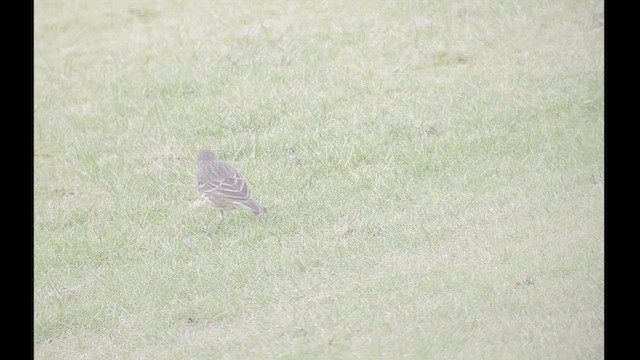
x=223 y=187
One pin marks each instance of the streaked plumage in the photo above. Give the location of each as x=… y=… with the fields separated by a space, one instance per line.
x=221 y=186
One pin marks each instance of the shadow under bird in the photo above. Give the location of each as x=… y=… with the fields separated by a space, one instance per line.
x=223 y=187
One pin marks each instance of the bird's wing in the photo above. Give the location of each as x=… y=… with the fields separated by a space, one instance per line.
x=221 y=179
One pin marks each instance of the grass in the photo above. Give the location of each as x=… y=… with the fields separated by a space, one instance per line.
x=433 y=172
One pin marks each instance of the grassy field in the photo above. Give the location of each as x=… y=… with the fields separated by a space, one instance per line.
x=433 y=172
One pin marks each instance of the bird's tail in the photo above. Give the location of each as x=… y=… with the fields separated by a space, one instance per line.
x=254 y=206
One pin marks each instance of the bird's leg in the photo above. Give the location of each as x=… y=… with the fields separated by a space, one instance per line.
x=221 y=220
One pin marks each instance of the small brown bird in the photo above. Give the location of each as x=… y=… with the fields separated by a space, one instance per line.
x=221 y=186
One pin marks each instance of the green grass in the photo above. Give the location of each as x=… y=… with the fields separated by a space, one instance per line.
x=433 y=173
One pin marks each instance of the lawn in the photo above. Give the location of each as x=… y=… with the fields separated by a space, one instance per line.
x=433 y=172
